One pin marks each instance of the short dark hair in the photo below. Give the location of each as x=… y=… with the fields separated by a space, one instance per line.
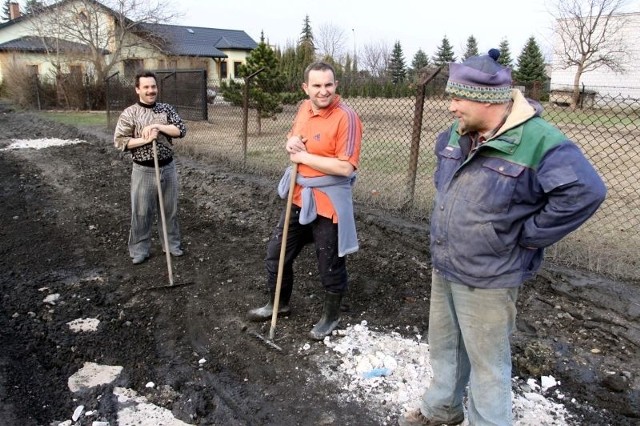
x=145 y=73
x=318 y=66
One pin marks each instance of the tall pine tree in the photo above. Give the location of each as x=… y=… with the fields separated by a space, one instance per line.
x=306 y=50
x=471 y=49
x=444 y=53
x=530 y=63
x=397 y=68
x=420 y=60
x=264 y=87
x=505 y=54
x=6 y=10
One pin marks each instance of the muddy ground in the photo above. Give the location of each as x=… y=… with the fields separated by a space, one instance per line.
x=65 y=220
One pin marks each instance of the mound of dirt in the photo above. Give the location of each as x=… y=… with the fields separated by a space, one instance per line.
x=65 y=216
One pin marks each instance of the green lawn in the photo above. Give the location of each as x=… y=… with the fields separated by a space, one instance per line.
x=77 y=118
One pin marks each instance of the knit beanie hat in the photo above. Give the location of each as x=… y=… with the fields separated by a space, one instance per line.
x=480 y=79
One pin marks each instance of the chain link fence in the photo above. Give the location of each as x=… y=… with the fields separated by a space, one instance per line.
x=397 y=161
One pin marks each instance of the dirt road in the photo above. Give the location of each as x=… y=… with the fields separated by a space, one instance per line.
x=65 y=222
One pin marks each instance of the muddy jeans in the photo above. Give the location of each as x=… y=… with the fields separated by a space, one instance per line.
x=324 y=233
x=469 y=331
x=145 y=206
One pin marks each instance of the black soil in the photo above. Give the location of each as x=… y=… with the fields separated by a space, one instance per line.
x=65 y=221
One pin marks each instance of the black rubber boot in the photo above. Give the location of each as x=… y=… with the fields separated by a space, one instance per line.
x=264 y=313
x=330 y=316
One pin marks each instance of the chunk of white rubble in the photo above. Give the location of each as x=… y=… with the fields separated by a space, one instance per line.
x=136 y=410
x=92 y=375
x=547 y=382
x=51 y=299
x=77 y=413
x=84 y=324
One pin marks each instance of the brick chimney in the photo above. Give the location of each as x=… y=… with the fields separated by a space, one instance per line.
x=14 y=10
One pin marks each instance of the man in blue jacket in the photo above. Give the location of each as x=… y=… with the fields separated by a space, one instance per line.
x=508 y=185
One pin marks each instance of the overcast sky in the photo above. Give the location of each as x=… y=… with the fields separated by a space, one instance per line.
x=417 y=24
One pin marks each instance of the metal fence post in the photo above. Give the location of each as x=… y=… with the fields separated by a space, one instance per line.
x=416 y=132
x=108 y=97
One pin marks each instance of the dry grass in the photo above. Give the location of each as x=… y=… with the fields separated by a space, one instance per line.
x=608 y=243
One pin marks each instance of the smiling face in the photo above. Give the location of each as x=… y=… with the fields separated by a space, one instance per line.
x=321 y=88
x=471 y=115
x=147 y=90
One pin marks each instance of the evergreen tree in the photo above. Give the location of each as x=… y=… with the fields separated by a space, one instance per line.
x=33 y=6
x=444 y=53
x=306 y=36
x=397 y=68
x=505 y=54
x=289 y=69
x=472 y=48
x=530 y=63
x=420 y=60
x=306 y=50
x=264 y=87
x=6 y=11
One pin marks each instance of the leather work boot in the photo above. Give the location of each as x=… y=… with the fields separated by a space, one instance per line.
x=330 y=316
x=264 y=313
x=415 y=418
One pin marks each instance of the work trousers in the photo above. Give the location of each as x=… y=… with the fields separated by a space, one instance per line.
x=145 y=208
x=469 y=331
x=324 y=234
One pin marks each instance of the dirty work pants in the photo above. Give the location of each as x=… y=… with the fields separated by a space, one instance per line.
x=145 y=207
x=324 y=234
x=469 y=331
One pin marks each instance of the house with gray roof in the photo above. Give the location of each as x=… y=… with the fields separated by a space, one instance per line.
x=57 y=40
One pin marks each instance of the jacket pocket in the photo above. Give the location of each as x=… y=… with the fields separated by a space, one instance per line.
x=449 y=160
x=493 y=184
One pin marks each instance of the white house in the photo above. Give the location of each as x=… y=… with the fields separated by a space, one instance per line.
x=602 y=81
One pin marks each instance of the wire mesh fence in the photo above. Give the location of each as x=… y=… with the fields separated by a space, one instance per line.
x=608 y=132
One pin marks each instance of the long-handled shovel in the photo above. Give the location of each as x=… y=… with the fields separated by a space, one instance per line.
x=283 y=250
x=162 y=215
x=163 y=221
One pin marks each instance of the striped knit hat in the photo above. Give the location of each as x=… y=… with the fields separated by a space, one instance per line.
x=480 y=79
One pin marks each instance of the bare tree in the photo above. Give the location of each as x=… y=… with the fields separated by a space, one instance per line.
x=330 y=42
x=374 y=57
x=108 y=29
x=590 y=36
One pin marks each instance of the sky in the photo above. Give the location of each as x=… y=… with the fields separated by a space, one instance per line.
x=415 y=24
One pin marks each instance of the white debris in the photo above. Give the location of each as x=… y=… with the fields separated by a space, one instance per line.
x=84 y=324
x=77 y=413
x=40 y=143
x=202 y=361
x=150 y=385
x=547 y=382
x=136 y=410
x=390 y=373
x=51 y=299
x=92 y=375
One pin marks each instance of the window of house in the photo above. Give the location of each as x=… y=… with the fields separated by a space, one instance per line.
x=223 y=70
x=131 y=67
x=236 y=69
x=173 y=64
x=33 y=70
x=162 y=65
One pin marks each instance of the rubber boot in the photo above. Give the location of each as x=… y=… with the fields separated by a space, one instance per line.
x=330 y=316
x=264 y=313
